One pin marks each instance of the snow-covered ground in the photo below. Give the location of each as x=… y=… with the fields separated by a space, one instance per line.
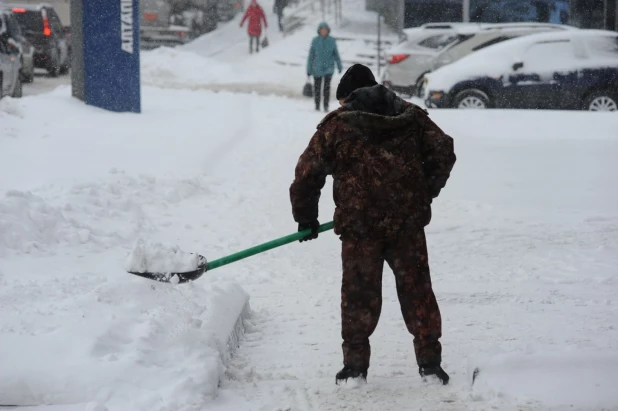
x=523 y=251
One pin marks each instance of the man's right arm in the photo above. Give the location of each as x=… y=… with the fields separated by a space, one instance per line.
x=310 y=176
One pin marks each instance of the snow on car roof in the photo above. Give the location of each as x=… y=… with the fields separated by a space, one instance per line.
x=491 y=61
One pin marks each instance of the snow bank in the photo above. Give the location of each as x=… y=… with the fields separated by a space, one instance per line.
x=177 y=68
x=572 y=379
x=152 y=257
x=130 y=344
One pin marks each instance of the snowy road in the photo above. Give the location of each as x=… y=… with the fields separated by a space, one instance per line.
x=43 y=83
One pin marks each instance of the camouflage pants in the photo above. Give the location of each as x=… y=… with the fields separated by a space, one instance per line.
x=361 y=296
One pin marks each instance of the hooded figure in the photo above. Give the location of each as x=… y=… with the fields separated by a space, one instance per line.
x=388 y=161
x=256 y=16
x=323 y=56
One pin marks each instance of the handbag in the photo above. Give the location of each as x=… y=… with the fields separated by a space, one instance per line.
x=308 y=89
x=265 y=42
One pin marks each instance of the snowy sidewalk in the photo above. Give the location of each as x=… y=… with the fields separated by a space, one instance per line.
x=522 y=250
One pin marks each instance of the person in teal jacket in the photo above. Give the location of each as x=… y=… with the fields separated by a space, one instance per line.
x=323 y=55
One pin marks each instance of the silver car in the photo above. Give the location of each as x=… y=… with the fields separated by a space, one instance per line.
x=17 y=39
x=10 y=66
x=411 y=60
x=489 y=36
x=415 y=55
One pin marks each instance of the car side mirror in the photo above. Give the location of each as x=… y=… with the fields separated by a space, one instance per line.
x=517 y=65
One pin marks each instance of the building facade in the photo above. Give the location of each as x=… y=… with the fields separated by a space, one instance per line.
x=400 y=14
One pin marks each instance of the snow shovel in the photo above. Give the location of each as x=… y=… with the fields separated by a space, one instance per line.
x=204 y=265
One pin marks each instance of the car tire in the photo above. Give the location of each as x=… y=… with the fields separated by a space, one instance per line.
x=54 y=68
x=603 y=100
x=17 y=91
x=471 y=99
x=27 y=77
x=418 y=87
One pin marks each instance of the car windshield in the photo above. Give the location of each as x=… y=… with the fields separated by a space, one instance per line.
x=29 y=20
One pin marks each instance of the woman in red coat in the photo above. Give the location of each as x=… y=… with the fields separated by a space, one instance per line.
x=256 y=15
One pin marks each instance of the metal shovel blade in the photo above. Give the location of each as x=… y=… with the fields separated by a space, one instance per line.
x=177 y=278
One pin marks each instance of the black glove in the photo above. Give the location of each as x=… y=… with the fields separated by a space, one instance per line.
x=313 y=225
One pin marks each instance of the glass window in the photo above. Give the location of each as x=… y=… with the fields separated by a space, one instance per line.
x=54 y=21
x=603 y=46
x=491 y=42
x=549 y=55
x=30 y=20
x=13 y=26
x=507 y=11
x=438 y=42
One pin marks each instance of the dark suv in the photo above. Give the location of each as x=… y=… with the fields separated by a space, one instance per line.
x=41 y=26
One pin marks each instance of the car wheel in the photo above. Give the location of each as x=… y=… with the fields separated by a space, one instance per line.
x=54 y=68
x=602 y=101
x=17 y=91
x=471 y=99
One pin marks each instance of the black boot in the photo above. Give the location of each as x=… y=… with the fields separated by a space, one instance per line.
x=436 y=370
x=350 y=372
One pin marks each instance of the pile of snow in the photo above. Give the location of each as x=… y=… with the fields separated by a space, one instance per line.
x=28 y=223
x=178 y=68
x=558 y=379
x=153 y=257
x=127 y=343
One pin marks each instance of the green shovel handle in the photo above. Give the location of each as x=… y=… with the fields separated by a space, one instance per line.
x=241 y=255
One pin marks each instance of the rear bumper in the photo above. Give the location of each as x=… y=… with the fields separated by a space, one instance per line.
x=155 y=37
x=41 y=59
x=437 y=99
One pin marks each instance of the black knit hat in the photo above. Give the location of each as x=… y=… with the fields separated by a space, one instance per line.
x=357 y=76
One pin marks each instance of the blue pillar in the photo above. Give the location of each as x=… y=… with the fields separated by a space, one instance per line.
x=105 y=43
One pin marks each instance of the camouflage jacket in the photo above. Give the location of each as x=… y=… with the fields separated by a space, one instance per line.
x=388 y=161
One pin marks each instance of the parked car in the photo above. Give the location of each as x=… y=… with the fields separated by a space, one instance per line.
x=42 y=27
x=414 y=56
x=488 y=36
x=574 y=69
x=18 y=40
x=10 y=66
x=175 y=22
x=228 y=9
x=437 y=44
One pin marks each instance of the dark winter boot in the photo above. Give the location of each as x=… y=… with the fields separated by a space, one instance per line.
x=350 y=372
x=436 y=370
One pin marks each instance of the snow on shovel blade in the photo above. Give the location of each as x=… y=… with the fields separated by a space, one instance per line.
x=177 y=278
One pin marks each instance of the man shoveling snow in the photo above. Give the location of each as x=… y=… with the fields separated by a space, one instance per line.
x=388 y=161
